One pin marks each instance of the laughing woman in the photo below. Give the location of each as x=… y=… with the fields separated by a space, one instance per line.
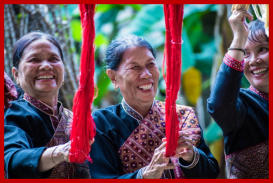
x=37 y=127
x=130 y=138
x=243 y=113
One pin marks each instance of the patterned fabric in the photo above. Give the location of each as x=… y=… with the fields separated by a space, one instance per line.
x=10 y=91
x=138 y=149
x=262 y=94
x=249 y=163
x=234 y=64
x=61 y=123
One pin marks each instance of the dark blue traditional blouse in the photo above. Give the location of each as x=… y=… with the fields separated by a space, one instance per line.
x=243 y=116
x=27 y=130
x=115 y=124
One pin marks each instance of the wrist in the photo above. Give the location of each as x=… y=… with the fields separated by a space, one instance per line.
x=140 y=173
x=196 y=157
x=56 y=156
x=238 y=41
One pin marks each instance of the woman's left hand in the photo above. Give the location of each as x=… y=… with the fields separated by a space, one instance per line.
x=187 y=139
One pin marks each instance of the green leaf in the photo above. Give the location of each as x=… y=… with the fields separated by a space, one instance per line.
x=103 y=8
x=191 y=9
x=144 y=20
x=76 y=30
x=100 y=40
x=103 y=83
x=108 y=16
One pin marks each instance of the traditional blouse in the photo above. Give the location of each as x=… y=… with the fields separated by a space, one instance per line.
x=30 y=127
x=243 y=117
x=125 y=142
x=10 y=92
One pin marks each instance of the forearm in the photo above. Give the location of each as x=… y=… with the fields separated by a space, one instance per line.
x=237 y=42
x=23 y=163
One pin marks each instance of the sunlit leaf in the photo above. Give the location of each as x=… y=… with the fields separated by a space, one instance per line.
x=100 y=40
x=102 y=83
x=76 y=30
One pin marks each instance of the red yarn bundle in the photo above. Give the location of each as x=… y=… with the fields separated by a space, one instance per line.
x=172 y=56
x=83 y=126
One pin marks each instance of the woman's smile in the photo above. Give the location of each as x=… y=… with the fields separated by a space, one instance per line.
x=146 y=87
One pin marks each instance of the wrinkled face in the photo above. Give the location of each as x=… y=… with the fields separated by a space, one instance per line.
x=41 y=70
x=137 y=76
x=257 y=64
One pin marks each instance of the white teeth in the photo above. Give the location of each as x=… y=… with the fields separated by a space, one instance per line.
x=45 y=77
x=259 y=71
x=146 y=87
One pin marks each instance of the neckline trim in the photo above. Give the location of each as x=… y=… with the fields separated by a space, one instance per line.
x=261 y=94
x=132 y=112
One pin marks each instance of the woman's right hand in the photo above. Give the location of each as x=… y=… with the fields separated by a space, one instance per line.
x=53 y=156
x=61 y=153
x=239 y=25
x=158 y=164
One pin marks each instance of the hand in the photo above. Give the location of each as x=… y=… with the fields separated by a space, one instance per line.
x=184 y=148
x=239 y=25
x=158 y=164
x=187 y=139
x=61 y=153
x=53 y=156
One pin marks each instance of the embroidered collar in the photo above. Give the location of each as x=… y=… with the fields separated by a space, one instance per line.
x=132 y=112
x=42 y=106
x=262 y=94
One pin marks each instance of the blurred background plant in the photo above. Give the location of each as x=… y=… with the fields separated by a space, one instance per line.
x=206 y=36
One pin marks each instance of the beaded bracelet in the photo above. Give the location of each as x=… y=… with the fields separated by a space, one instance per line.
x=239 y=49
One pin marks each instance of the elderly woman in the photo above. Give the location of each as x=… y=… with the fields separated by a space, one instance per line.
x=243 y=113
x=37 y=127
x=130 y=141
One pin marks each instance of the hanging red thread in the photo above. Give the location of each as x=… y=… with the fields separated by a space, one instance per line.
x=172 y=56
x=83 y=126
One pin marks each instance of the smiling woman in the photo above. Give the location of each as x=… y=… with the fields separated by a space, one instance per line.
x=41 y=71
x=243 y=113
x=37 y=127
x=130 y=137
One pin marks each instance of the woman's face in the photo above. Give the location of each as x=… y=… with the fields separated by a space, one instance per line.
x=257 y=64
x=137 y=76
x=41 y=70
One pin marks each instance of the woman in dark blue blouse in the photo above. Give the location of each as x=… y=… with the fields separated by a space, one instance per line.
x=37 y=127
x=129 y=141
x=243 y=113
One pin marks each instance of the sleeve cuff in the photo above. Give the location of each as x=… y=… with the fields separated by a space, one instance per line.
x=139 y=173
x=195 y=159
x=233 y=63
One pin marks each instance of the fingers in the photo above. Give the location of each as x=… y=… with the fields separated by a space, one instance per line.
x=91 y=141
x=166 y=166
x=195 y=130
x=241 y=14
x=192 y=138
x=162 y=146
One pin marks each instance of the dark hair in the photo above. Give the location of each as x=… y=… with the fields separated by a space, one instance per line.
x=26 y=40
x=117 y=47
x=257 y=31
